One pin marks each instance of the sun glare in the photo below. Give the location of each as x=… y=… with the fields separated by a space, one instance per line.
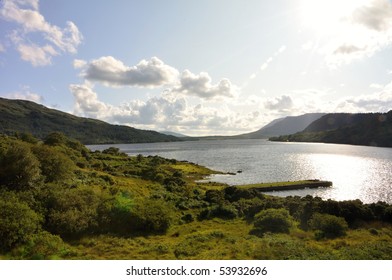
x=327 y=15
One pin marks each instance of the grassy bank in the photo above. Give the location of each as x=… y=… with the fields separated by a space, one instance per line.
x=58 y=200
x=289 y=185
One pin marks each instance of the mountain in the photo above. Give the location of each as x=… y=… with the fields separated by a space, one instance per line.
x=284 y=126
x=27 y=116
x=371 y=129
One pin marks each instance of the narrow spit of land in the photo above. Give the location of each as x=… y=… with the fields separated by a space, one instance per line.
x=285 y=186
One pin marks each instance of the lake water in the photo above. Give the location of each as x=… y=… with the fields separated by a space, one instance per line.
x=357 y=172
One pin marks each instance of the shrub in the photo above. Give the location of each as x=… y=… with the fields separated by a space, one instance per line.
x=115 y=214
x=273 y=220
x=222 y=211
x=112 y=151
x=17 y=222
x=19 y=168
x=215 y=196
x=234 y=193
x=328 y=226
x=152 y=216
x=43 y=246
x=72 y=212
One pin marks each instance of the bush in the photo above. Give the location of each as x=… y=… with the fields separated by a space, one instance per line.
x=328 y=226
x=222 y=211
x=233 y=194
x=112 y=151
x=43 y=246
x=214 y=196
x=115 y=214
x=19 y=168
x=17 y=222
x=72 y=212
x=152 y=216
x=273 y=220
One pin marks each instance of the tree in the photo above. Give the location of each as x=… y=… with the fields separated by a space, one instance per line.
x=55 y=166
x=19 y=168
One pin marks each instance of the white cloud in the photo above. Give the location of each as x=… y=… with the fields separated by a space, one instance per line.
x=87 y=103
x=54 y=39
x=2 y=48
x=200 y=85
x=153 y=73
x=112 y=72
x=37 y=56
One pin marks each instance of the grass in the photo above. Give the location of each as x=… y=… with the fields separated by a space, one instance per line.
x=218 y=239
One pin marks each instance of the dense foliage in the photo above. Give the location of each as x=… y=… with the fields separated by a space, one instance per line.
x=60 y=200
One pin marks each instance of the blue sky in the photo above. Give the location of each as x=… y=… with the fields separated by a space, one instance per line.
x=203 y=67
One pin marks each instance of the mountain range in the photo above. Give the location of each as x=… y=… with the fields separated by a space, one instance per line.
x=26 y=116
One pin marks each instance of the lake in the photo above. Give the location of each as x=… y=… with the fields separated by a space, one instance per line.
x=357 y=172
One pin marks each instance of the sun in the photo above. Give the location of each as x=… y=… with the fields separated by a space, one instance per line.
x=327 y=16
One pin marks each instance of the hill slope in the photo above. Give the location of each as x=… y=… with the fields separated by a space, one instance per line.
x=373 y=129
x=27 y=116
x=284 y=126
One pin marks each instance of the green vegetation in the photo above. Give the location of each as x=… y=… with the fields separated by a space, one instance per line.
x=373 y=129
x=272 y=220
x=59 y=200
x=28 y=118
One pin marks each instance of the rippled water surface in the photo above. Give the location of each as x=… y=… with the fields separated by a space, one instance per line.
x=357 y=172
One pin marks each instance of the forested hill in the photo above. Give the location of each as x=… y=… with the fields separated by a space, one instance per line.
x=372 y=129
x=26 y=116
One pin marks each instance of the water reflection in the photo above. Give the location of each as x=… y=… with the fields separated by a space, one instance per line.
x=353 y=177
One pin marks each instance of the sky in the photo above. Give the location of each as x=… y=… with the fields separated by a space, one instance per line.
x=206 y=67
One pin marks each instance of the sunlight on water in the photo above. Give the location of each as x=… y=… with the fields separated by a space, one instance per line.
x=353 y=177
x=349 y=174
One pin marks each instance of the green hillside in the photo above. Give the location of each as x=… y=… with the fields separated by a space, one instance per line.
x=25 y=116
x=373 y=129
